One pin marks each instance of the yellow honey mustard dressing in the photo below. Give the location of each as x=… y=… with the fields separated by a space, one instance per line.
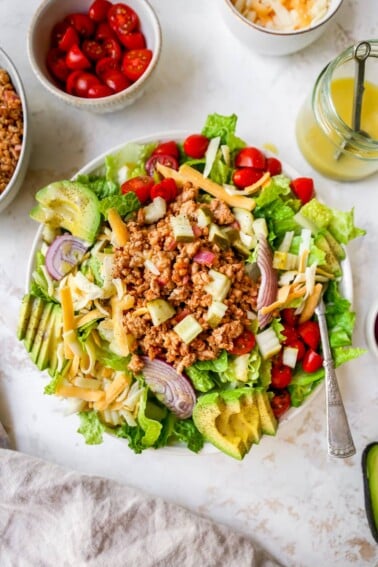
x=320 y=147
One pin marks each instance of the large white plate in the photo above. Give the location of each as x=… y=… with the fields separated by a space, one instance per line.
x=96 y=166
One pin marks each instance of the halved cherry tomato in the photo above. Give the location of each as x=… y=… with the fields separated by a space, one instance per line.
x=122 y=18
x=93 y=49
x=312 y=361
x=303 y=188
x=274 y=166
x=195 y=146
x=250 y=157
x=116 y=81
x=104 y=31
x=98 y=10
x=75 y=59
x=164 y=159
x=69 y=38
x=82 y=23
x=79 y=82
x=244 y=343
x=132 y=40
x=58 y=32
x=112 y=48
x=281 y=376
x=106 y=65
x=310 y=333
x=56 y=64
x=297 y=343
x=290 y=333
x=135 y=62
x=167 y=189
x=289 y=317
x=246 y=176
x=168 y=148
x=140 y=185
x=99 y=91
x=280 y=403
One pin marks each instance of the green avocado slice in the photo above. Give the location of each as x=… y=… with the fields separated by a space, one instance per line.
x=69 y=205
x=24 y=316
x=34 y=320
x=268 y=420
x=370 y=476
x=42 y=335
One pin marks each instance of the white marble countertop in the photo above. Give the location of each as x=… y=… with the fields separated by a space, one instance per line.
x=305 y=508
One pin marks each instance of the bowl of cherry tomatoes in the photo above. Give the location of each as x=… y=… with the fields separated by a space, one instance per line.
x=97 y=55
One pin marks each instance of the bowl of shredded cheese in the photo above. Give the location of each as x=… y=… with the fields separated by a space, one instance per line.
x=279 y=27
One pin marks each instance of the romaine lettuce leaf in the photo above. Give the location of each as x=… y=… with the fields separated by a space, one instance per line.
x=204 y=373
x=224 y=127
x=187 y=432
x=101 y=186
x=125 y=204
x=151 y=427
x=134 y=436
x=91 y=427
x=132 y=156
x=340 y=318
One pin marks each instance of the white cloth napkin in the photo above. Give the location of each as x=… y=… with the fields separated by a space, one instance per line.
x=50 y=516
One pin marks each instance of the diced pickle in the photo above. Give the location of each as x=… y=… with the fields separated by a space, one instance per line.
x=182 y=229
x=160 y=311
x=188 y=329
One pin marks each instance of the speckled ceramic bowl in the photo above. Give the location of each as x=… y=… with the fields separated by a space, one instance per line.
x=14 y=185
x=52 y=11
x=275 y=42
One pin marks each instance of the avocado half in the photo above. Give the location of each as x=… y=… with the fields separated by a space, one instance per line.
x=370 y=477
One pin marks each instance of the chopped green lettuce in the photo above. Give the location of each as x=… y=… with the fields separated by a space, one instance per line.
x=100 y=185
x=316 y=255
x=340 y=317
x=224 y=127
x=187 y=432
x=125 y=204
x=132 y=156
x=151 y=427
x=91 y=427
x=134 y=436
x=109 y=359
x=204 y=373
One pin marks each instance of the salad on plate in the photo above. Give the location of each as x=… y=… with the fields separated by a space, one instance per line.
x=173 y=289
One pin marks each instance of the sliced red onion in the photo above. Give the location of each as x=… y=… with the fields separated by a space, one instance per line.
x=63 y=254
x=171 y=388
x=164 y=159
x=205 y=257
x=268 y=286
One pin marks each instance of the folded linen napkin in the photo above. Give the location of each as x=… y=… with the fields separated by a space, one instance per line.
x=50 y=516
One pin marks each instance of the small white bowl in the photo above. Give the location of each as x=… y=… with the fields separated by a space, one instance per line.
x=275 y=42
x=38 y=42
x=18 y=176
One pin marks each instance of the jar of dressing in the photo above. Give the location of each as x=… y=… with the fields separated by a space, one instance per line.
x=324 y=129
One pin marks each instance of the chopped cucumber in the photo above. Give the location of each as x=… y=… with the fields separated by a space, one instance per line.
x=204 y=217
x=286 y=242
x=217 y=236
x=182 y=229
x=250 y=241
x=260 y=227
x=290 y=355
x=245 y=220
x=242 y=248
x=216 y=313
x=268 y=343
x=188 y=329
x=232 y=234
x=155 y=210
x=240 y=367
x=285 y=261
x=219 y=287
x=160 y=311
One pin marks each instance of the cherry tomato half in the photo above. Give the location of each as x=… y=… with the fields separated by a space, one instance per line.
x=244 y=343
x=281 y=376
x=303 y=188
x=69 y=38
x=93 y=49
x=140 y=185
x=79 y=82
x=246 y=176
x=112 y=48
x=310 y=333
x=56 y=64
x=297 y=343
x=289 y=317
x=290 y=333
x=274 y=166
x=312 y=361
x=82 y=23
x=166 y=189
x=58 y=32
x=104 y=31
x=116 y=81
x=75 y=59
x=195 y=146
x=99 y=91
x=135 y=62
x=132 y=40
x=280 y=403
x=250 y=157
x=98 y=10
x=168 y=148
x=122 y=18
x=106 y=65
x=164 y=159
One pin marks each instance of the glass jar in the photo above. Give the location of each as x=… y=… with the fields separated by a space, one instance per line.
x=324 y=124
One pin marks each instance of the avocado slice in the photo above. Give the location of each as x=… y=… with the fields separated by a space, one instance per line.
x=41 y=335
x=69 y=205
x=34 y=320
x=24 y=316
x=331 y=262
x=370 y=477
x=56 y=338
x=46 y=352
x=229 y=420
x=268 y=420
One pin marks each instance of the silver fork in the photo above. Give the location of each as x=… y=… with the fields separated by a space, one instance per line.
x=339 y=437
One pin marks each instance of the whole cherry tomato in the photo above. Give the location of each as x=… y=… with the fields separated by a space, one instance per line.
x=246 y=176
x=69 y=38
x=132 y=40
x=312 y=361
x=310 y=333
x=56 y=64
x=164 y=159
x=274 y=166
x=75 y=59
x=250 y=157
x=106 y=65
x=244 y=343
x=98 y=10
x=82 y=23
x=93 y=49
x=122 y=18
x=116 y=81
x=135 y=62
x=99 y=91
x=303 y=188
x=167 y=189
x=79 y=82
x=140 y=185
x=280 y=403
x=168 y=148
x=281 y=376
x=195 y=145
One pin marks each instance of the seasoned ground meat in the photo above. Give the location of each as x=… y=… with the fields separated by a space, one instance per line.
x=181 y=281
x=11 y=129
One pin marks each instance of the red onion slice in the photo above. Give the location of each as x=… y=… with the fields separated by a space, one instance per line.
x=268 y=286
x=63 y=254
x=205 y=257
x=171 y=388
